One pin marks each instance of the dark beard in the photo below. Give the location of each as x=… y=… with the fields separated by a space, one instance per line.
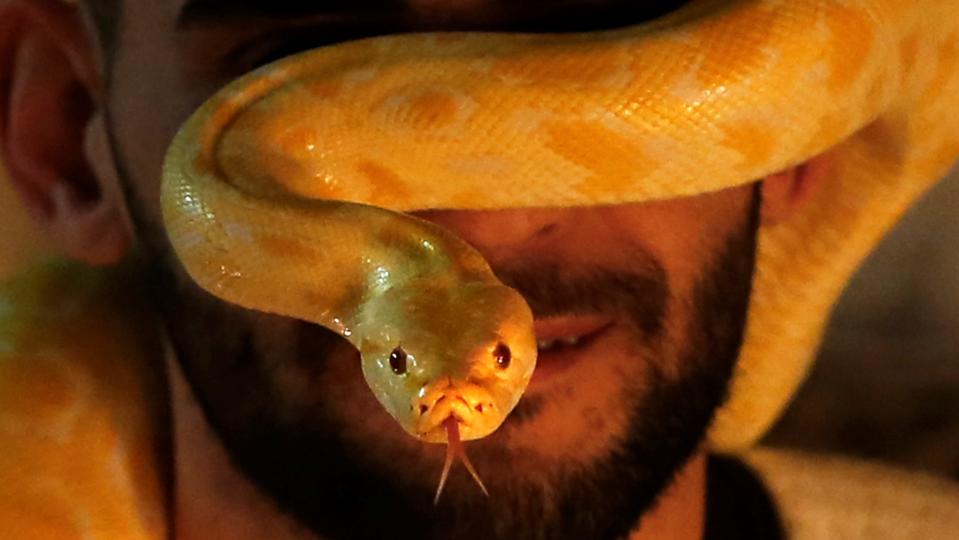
x=299 y=459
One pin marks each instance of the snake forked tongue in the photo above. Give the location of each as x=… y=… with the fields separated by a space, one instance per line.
x=454 y=449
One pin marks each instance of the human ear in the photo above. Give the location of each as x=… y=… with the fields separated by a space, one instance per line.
x=49 y=103
x=785 y=192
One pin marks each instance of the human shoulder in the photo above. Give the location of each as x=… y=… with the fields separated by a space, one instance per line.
x=824 y=496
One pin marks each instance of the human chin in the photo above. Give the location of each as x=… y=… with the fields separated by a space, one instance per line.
x=597 y=328
x=627 y=399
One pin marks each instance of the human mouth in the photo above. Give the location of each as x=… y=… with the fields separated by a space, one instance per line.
x=562 y=341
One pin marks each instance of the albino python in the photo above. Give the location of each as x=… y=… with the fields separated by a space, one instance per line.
x=283 y=192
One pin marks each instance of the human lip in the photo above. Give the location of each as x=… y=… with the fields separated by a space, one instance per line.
x=564 y=340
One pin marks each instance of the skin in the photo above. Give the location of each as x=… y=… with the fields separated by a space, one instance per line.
x=303 y=390
x=437 y=333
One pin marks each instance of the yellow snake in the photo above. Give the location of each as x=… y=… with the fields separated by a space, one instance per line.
x=275 y=192
x=283 y=192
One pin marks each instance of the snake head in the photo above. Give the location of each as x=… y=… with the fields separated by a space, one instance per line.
x=431 y=351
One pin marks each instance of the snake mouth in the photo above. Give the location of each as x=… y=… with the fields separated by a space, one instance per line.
x=432 y=426
x=437 y=431
x=469 y=406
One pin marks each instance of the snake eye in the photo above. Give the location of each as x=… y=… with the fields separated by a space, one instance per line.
x=398 y=361
x=502 y=355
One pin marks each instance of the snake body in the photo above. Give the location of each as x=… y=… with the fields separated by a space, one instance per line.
x=275 y=195
x=285 y=191
x=437 y=333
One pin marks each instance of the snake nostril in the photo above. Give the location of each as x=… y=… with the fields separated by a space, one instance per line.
x=479 y=407
x=424 y=408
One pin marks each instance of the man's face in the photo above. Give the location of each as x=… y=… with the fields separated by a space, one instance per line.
x=600 y=431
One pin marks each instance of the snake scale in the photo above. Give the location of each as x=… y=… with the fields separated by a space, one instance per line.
x=286 y=193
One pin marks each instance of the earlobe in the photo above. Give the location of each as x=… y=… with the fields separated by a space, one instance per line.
x=91 y=230
x=48 y=92
x=786 y=192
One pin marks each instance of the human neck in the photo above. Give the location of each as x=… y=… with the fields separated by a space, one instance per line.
x=211 y=498
x=214 y=500
x=680 y=512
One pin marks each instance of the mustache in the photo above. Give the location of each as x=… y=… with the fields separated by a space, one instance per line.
x=553 y=289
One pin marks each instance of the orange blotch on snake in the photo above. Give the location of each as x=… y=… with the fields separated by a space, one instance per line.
x=323 y=89
x=205 y=163
x=300 y=141
x=829 y=131
x=751 y=140
x=853 y=36
x=947 y=60
x=430 y=110
x=584 y=66
x=909 y=53
x=739 y=43
x=385 y=185
x=282 y=247
x=612 y=158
